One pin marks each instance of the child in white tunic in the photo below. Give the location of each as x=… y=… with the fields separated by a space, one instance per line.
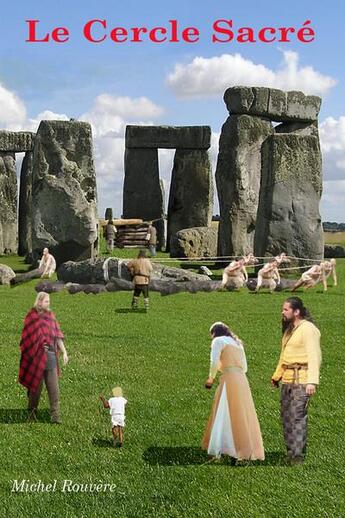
x=116 y=405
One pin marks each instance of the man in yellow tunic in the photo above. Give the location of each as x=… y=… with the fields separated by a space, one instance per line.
x=298 y=370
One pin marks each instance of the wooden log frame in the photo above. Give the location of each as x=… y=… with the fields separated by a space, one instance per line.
x=132 y=236
x=130 y=245
x=131 y=239
x=131 y=230
x=132 y=242
x=126 y=222
x=141 y=237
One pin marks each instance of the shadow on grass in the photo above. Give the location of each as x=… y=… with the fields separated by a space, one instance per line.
x=187 y=455
x=172 y=456
x=20 y=415
x=129 y=310
x=99 y=442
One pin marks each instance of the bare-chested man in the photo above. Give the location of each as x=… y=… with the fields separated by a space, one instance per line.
x=317 y=273
x=330 y=268
x=236 y=271
x=46 y=268
x=47 y=264
x=269 y=273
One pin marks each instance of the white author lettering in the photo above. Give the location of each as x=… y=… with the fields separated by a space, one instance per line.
x=64 y=486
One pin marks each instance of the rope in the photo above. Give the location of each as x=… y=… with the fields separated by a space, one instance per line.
x=211 y=260
x=258 y=265
x=225 y=258
x=294 y=268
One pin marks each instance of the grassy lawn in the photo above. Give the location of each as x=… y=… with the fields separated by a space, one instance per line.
x=161 y=361
x=335 y=238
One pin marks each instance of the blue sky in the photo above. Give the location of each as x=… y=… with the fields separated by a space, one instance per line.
x=111 y=84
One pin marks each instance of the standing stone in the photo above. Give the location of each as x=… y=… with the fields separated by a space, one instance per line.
x=160 y=224
x=8 y=203
x=25 y=205
x=108 y=213
x=142 y=195
x=191 y=192
x=64 y=217
x=238 y=181
x=288 y=217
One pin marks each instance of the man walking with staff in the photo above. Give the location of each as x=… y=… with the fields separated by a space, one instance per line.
x=298 y=370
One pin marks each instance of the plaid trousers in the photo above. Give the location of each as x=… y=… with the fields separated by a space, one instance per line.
x=293 y=408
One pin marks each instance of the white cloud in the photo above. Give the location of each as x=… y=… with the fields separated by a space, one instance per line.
x=108 y=117
x=213 y=151
x=109 y=163
x=47 y=115
x=332 y=201
x=13 y=112
x=332 y=137
x=204 y=77
x=110 y=113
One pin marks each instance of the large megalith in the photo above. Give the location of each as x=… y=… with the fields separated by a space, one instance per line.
x=25 y=205
x=64 y=216
x=238 y=181
x=8 y=203
x=194 y=242
x=276 y=105
x=191 y=191
x=6 y=274
x=142 y=193
x=288 y=216
x=168 y=137
x=16 y=141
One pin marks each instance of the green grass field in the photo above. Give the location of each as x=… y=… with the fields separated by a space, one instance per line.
x=161 y=361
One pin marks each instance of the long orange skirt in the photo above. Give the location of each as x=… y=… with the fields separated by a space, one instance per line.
x=233 y=427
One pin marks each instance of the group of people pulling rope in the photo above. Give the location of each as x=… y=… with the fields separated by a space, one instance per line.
x=268 y=275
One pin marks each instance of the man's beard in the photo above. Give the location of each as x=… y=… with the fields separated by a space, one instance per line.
x=287 y=325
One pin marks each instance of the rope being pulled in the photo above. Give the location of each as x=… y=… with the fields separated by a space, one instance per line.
x=206 y=260
x=226 y=259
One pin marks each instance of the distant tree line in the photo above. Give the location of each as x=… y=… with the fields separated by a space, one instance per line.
x=331 y=226
x=328 y=226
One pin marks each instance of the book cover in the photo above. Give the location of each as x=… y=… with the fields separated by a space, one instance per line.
x=118 y=65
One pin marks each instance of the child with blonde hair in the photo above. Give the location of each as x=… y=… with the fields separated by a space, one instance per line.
x=116 y=405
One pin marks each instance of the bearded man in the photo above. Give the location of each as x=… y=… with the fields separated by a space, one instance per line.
x=298 y=370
